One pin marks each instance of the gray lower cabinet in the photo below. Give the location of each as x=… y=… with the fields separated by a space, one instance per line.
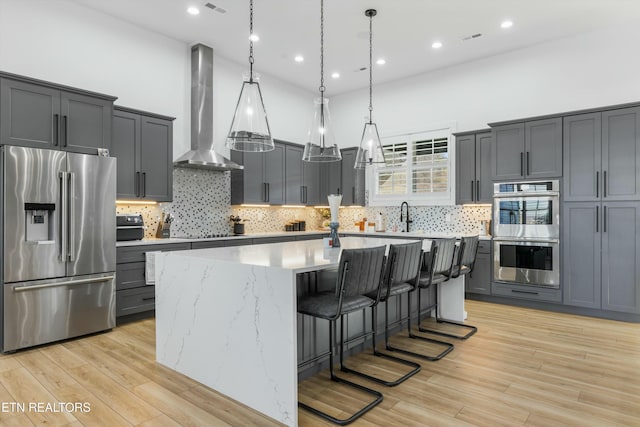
x=133 y=295
x=143 y=145
x=473 y=168
x=221 y=243
x=263 y=179
x=602 y=156
x=601 y=248
x=479 y=282
x=531 y=149
x=353 y=180
x=44 y=115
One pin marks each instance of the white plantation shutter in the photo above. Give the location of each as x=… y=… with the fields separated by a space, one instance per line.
x=416 y=165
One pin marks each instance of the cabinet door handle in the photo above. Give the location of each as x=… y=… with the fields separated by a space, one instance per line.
x=137 y=184
x=597 y=183
x=515 y=291
x=521 y=163
x=597 y=219
x=56 y=132
x=473 y=199
x=604 y=184
x=264 y=191
x=268 y=191
x=144 y=184
x=528 y=163
x=306 y=197
x=604 y=219
x=477 y=190
x=353 y=195
x=65 y=126
x=302 y=194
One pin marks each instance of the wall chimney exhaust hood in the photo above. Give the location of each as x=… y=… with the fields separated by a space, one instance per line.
x=202 y=155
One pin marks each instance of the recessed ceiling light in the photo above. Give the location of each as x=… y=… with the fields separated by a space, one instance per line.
x=254 y=38
x=436 y=45
x=193 y=10
x=506 y=24
x=335 y=75
x=299 y=58
x=381 y=61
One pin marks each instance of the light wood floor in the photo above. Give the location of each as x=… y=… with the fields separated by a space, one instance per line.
x=523 y=367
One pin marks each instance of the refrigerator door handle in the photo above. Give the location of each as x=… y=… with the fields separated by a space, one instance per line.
x=65 y=283
x=63 y=215
x=72 y=216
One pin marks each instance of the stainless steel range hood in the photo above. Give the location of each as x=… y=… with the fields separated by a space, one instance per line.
x=202 y=155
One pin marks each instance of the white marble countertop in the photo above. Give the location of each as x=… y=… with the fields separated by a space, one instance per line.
x=156 y=241
x=299 y=256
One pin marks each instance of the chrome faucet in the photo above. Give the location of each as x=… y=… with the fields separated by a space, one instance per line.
x=402 y=217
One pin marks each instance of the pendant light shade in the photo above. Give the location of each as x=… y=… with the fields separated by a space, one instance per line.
x=250 y=127
x=370 y=150
x=321 y=145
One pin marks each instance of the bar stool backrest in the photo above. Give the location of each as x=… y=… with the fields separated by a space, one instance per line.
x=442 y=256
x=469 y=248
x=360 y=271
x=403 y=263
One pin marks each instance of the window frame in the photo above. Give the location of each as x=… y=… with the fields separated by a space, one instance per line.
x=416 y=199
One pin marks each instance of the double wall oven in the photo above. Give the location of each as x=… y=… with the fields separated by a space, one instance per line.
x=526 y=221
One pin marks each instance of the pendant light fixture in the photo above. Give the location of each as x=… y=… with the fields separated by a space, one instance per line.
x=250 y=127
x=321 y=145
x=370 y=150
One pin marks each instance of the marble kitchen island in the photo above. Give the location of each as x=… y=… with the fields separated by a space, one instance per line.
x=227 y=317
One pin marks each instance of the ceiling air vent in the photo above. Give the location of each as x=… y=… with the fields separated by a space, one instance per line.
x=472 y=36
x=216 y=8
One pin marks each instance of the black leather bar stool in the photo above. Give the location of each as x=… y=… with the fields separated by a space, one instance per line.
x=403 y=262
x=359 y=275
x=442 y=269
x=408 y=268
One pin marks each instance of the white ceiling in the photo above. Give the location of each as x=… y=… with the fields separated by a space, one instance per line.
x=403 y=31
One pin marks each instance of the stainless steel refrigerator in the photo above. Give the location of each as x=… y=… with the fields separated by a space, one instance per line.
x=58 y=252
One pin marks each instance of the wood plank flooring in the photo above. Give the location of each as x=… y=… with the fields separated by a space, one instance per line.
x=524 y=367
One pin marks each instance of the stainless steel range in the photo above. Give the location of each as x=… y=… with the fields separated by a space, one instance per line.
x=58 y=254
x=526 y=233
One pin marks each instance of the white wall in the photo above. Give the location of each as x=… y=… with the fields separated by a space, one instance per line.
x=63 y=42
x=591 y=70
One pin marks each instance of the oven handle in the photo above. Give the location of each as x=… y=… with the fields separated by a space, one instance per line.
x=512 y=240
x=526 y=195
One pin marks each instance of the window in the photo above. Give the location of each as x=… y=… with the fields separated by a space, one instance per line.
x=417 y=168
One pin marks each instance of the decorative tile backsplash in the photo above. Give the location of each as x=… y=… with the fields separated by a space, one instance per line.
x=201 y=207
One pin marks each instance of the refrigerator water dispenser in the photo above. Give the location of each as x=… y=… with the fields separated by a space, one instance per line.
x=39 y=222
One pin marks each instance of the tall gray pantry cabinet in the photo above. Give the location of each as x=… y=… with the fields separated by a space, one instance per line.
x=39 y=114
x=601 y=213
x=143 y=145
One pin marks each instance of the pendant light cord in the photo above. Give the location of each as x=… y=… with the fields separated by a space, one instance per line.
x=370 y=68
x=322 y=88
x=250 y=41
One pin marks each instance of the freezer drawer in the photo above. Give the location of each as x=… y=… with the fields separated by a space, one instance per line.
x=43 y=311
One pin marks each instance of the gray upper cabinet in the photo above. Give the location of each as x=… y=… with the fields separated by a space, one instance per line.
x=302 y=178
x=353 y=180
x=143 y=145
x=582 y=157
x=263 y=179
x=42 y=115
x=543 y=148
x=602 y=156
x=473 y=170
x=330 y=180
x=621 y=154
x=531 y=149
